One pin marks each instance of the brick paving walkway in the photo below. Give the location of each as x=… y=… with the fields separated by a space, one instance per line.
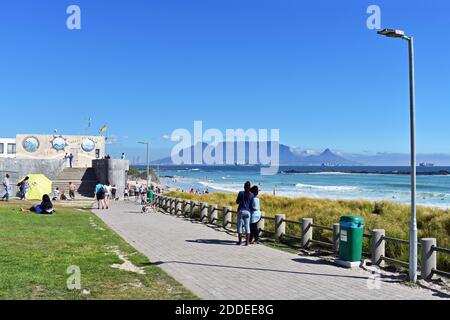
x=208 y=262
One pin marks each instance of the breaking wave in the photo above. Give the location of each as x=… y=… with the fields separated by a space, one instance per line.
x=329 y=188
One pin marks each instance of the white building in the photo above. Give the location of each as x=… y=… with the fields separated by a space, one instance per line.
x=7 y=148
x=50 y=147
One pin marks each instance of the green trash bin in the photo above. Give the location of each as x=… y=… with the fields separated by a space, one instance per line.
x=351 y=238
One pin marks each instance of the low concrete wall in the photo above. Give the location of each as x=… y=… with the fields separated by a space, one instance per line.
x=114 y=171
x=18 y=168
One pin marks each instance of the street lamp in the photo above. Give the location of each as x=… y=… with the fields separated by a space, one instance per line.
x=392 y=33
x=148 y=161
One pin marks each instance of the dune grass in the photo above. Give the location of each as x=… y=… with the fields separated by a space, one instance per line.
x=36 y=251
x=392 y=217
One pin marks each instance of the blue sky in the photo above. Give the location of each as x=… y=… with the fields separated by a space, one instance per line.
x=146 y=67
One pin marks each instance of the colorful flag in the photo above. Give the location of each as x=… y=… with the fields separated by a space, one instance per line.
x=104 y=129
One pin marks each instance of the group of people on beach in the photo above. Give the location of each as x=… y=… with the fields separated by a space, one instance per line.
x=249 y=214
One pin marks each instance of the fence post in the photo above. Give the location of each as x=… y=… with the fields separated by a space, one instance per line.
x=336 y=235
x=261 y=225
x=172 y=206
x=191 y=214
x=428 y=258
x=227 y=216
x=213 y=215
x=203 y=212
x=167 y=204
x=280 y=226
x=307 y=232
x=178 y=207
x=186 y=209
x=164 y=199
x=378 y=247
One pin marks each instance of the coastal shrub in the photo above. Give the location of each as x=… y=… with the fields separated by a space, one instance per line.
x=393 y=217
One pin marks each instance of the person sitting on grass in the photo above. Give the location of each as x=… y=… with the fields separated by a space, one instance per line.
x=56 y=194
x=63 y=196
x=46 y=206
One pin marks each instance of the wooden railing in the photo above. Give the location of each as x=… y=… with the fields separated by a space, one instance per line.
x=211 y=214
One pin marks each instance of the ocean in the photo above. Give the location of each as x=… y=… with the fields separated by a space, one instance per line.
x=317 y=182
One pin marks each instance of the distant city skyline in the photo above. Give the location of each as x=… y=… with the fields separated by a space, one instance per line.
x=312 y=70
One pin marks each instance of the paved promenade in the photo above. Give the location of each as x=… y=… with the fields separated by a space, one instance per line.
x=208 y=262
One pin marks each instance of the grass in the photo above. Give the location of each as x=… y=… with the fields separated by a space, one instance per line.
x=36 y=250
x=392 y=217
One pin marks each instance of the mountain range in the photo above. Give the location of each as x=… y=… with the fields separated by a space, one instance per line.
x=287 y=156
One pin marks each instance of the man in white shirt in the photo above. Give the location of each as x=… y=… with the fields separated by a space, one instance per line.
x=6 y=186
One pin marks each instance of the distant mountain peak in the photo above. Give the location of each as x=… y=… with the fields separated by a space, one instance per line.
x=327 y=151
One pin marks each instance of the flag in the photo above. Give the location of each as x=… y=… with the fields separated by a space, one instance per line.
x=104 y=129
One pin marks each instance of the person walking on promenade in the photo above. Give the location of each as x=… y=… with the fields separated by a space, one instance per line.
x=150 y=196
x=100 y=195
x=108 y=192
x=143 y=192
x=6 y=186
x=70 y=160
x=126 y=193
x=245 y=201
x=137 y=192
x=114 y=193
x=72 y=188
x=256 y=216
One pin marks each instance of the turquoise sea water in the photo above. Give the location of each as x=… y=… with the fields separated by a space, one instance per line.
x=433 y=190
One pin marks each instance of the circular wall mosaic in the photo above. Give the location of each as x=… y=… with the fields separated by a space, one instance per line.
x=31 y=144
x=59 y=143
x=88 y=145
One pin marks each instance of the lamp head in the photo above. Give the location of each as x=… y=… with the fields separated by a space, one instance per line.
x=392 y=33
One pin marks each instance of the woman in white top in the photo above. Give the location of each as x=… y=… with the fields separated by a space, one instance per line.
x=108 y=192
x=255 y=217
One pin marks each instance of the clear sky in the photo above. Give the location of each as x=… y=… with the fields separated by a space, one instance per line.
x=146 y=67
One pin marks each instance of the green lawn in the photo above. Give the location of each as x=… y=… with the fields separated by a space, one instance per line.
x=36 y=250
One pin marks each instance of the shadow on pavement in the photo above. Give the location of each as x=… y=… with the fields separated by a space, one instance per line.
x=159 y=263
x=214 y=241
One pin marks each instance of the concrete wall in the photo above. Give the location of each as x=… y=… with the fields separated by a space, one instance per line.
x=47 y=148
x=113 y=170
x=19 y=168
x=4 y=145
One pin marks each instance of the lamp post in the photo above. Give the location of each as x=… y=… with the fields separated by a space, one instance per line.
x=391 y=33
x=148 y=161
